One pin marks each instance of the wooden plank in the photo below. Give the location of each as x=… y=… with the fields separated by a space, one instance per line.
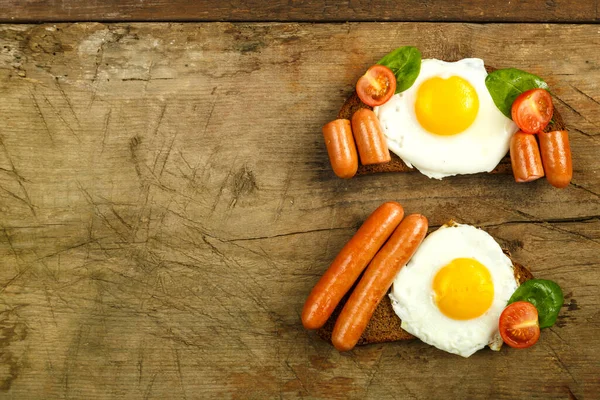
x=313 y=10
x=166 y=205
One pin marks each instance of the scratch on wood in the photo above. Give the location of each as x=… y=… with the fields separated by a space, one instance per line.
x=578 y=234
x=20 y=179
x=166 y=157
x=116 y=214
x=186 y=161
x=208 y=167
x=26 y=201
x=10 y=244
x=210 y=115
x=585 y=94
x=574 y=110
x=67 y=248
x=551 y=224
x=297 y=378
x=42 y=260
x=221 y=189
x=286 y=187
x=578 y=186
x=41 y=114
x=13 y=279
x=177 y=360
x=160 y=118
x=551 y=329
x=243 y=239
x=72 y=357
x=145 y=193
x=140 y=362
x=562 y=364
x=214 y=249
x=571 y=394
x=99 y=213
x=29 y=202
x=59 y=115
x=149 y=387
x=62 y=92
x=149 y=75
x=105 y=131
x=589 y=135
x=13 y=169
x=531 y=219
x=50 y=305
x=375 y=371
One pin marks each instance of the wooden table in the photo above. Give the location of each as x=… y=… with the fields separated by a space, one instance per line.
x=166 y=202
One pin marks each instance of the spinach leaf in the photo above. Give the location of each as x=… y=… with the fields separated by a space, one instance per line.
x=505 y=85
x=405 y=62
x=545 y=295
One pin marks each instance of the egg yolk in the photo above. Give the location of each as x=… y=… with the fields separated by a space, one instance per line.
x=463 y=289
x=446 y=106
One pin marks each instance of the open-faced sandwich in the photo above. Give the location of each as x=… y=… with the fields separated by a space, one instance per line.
x=449 y=118
x=455 y=289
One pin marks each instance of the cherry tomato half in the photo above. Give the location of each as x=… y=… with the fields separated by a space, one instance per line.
x=519 y=325
x=376 y=86
x=532 y=110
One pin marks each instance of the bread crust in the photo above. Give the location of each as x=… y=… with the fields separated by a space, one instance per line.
x=384 y=326
x=353 y=104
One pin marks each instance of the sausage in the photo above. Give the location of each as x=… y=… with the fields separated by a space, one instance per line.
x=341 y=148
x=556 y=156
x=525 y=157
x=371 y=143
x=349 y=263
x=376 y=281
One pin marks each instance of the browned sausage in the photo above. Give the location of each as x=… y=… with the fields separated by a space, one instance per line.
x=556 y=155
x=369 y=138
x=525 y=157
x=341 y=148
x=376 y=281
x=349 y=263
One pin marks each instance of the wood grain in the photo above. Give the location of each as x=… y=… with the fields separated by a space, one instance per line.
x=312 y=10
x=166 y=205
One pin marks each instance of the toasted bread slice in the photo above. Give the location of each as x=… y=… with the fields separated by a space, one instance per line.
x=353 y=104
x=384 y=325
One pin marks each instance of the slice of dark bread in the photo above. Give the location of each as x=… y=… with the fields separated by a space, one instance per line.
x=384 y=325
x=353 y=104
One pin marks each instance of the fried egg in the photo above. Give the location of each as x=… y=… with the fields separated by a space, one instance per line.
x=446 y=123
x=453 y=290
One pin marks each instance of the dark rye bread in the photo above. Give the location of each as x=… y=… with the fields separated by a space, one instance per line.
x=353 y=104
x=384 y=326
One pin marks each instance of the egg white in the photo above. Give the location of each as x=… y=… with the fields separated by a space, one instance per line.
x=413 y=299
x=477 y=149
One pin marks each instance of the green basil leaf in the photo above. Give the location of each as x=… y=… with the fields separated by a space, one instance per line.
x=405 y=62
x=505 y=85
x=545 y=295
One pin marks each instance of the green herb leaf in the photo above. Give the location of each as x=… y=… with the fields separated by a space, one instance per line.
x=505 y=85
x=405 y=62
x=545 y=295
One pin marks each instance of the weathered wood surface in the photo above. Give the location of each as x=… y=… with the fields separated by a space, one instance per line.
x=293 y=11
x=166 y=205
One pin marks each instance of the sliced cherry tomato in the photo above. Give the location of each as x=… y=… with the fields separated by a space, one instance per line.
x=376 y=86
x=532 y=110
x=519 y=325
